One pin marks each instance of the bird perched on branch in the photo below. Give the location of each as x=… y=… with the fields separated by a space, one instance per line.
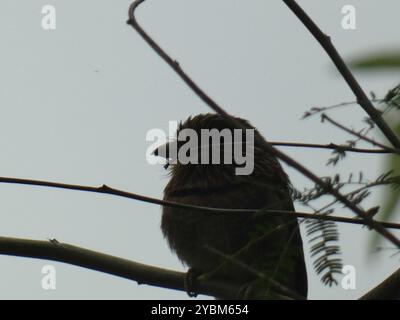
x=260 y=252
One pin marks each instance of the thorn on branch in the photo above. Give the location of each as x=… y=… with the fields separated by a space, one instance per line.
x=53 y=241
x=104 y=188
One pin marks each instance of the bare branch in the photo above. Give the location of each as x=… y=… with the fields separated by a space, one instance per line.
x=141 y=273
x=357 y=134
x=331 y=146
x=389 y=289
x=316 y=110
x=104 y=189
x=362 y=98
x=288 y=160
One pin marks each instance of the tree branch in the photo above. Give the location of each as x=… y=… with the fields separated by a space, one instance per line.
x=362 y=99
x=331 y=146
x=145 y=274
x=315 y=110
x=104 y=189
x=288 y=160
x=389 y=289
x=325 y=117
x=141 y=273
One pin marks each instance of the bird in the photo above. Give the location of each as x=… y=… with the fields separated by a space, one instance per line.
x=259 y=252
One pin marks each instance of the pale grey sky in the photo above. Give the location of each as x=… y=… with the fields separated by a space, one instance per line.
x=76 y=104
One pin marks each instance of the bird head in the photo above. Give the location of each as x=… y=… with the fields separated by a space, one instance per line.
x=209 y=147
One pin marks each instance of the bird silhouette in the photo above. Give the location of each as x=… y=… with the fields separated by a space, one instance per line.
x=259 y=252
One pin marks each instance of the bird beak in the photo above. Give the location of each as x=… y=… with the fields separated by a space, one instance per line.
x=162 y=151
x=165 y=150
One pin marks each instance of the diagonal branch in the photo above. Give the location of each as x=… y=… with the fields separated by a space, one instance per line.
x=389 y=289
x=276 y=285
x=325 y=117
x=362 y=99
x=288 y=160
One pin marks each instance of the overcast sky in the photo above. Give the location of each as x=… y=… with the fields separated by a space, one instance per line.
x=76 y=104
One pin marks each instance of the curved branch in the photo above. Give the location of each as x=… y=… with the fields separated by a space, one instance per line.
x=362 y=98
x=141 y=273
x=104 y=189
x=288 y=160
x=145 y=274
x=389 y=289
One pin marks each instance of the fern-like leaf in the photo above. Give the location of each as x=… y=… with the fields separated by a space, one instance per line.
x=324 y=252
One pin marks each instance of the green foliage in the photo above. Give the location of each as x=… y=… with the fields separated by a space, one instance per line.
x=392 y=99
x=392 y=195
x=379 y=60
x=326 y=255
x=323 y=235
x=392 y=163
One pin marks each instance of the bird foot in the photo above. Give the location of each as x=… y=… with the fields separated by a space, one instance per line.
x=245 y=292
x=189 y=282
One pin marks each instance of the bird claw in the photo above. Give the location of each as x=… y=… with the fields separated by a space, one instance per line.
x=244 y=292
x=189 y=281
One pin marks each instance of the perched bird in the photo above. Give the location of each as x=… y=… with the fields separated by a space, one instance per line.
x=235 y=247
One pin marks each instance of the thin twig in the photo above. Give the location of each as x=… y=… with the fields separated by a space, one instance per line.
x=366 y=186
x=331 y=146
x=283 y=254
x=315 y=110
x=357 y=134
x=251 y=243
x=362 y=99
x=288 y=160
x=104 y=189
x=275 y=285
